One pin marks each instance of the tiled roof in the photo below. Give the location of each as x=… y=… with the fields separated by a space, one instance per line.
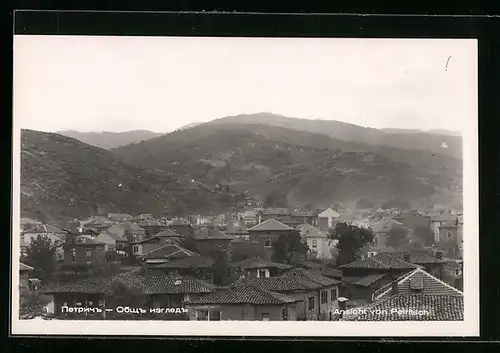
x=112 y=235
x=270 y=225
x=450 y=224
x=331 y=272
x=259 y=263
x=380 y=261
x=145 y=285
x=167 y=233
x=210 y=234
x=24 y=267
x=301 y=214
x=250 y=214
x=24 y=221
x=405 y=307
x=365 y=281
x=232 y=229
x=179 y=222
x=415 y=257
x=197 y=261
x=393 y=260
x=166 y=251
x=329 y=213
x=292 y=280
x=310 y=231
x=385 y=224
x=445 y=217
x=247 y=294
x=46 y=228
x=87 y=241
x=149 y=223
x=417 y=282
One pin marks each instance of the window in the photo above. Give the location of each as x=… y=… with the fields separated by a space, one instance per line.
x=449 y=235
x=375 y=240
x=284 y=315
x=261 y=274
x=214 y=315
x=88 y=252
x=310 y=303
x=73 y=256
x=314 y=244
x=265 y=317
x=333 y=294
x=136 y=248
x=324 y=297
x=201 y=315
x=268 y=243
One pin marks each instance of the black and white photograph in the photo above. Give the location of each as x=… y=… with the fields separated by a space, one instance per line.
x=330 y=183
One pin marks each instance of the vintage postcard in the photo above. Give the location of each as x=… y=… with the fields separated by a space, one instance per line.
x=326 y=186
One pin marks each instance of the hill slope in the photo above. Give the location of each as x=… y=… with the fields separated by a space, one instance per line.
x=353 y=133
x=107 y=139
x=62 y=179
x=309 y=167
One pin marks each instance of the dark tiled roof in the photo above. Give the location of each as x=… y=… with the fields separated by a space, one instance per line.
x=386 y=261
x=415 y=257
x=434 y=307
x=417 y=282
x=210 y=234
x=24 y=267
x=365 y=281
x=197 y=261
x=144 y=284
x=331 y=272
x=270 y=225
x=167 y=233
x=244 y=295
x=259 y=263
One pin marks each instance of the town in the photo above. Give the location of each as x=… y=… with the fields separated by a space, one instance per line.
x=262 y=263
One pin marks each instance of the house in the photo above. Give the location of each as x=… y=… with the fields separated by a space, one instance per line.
x=128 y=230
x=250 y=218
x=237 y=232
x=247 y=302
x=438 y=221
x=113 y=241
x=193 y=265
x=317 y=240
x=412 y=220
x=451 y=238
x=146 y=246
x=280 y=214
x=453 y=274
x=363 y=277
x=155 y=292
x=208 y=240
x=120 y=217
x=327 y=219
x=181 y=227
x=85 y=252
x=267 y=232
x=25 y=272
x=381 y=230
x=317 y=295
x=53 y=233
x=257 y=267
x=416 y=296
x=151 y=227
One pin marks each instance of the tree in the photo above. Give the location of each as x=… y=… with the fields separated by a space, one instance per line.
x=41 y=254
x=364 y=204
x=246 y=250
x=425 y=235
x=351 y=238
x=31 y=303
x=288 y=247
x=221 y=270
x=276 y=199
x=396 y=237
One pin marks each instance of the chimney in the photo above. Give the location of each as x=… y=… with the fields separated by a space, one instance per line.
x=406 y=257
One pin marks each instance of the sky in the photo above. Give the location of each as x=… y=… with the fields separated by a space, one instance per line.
x=119 y=84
